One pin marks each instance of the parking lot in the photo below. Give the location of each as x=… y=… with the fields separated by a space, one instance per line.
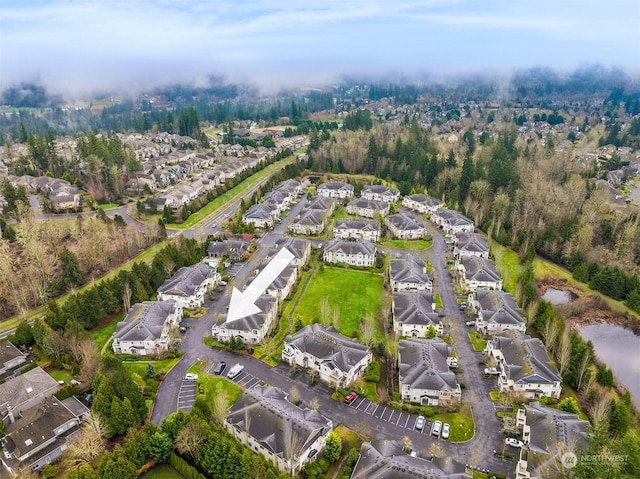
x=234 y=269
x=187 y=395
x=246 y=380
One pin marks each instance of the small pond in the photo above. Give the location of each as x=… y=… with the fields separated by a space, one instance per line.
x=618 y=348
x=558 y=296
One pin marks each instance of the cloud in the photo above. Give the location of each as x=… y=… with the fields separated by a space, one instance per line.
x=85 y=45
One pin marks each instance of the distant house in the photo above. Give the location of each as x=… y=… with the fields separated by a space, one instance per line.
x=291 y=187
x=382 y=459
x=301 y=249
x=367 y=230
x=335 y=189
x=338 y=360
x=496 y=312
x=362 y=253
x=545 y=433
x=42 y=433
x=424 y=374
x=309 y=222
x=451 y=221
x=422 y=203
x=405 y=227
x=233 y=248
x=414 y=314
x=265 y=420
x=477 y=272
x=524 y=365
x=409 y=274
x=251 y=329
x=24 y=392
x=380 y=193
x=320 y=203
x=470 y=244
x=367 y=208
x=283 y=285
x=261 y=215
x=11 y=358
x=189 y=285
x=145 y=330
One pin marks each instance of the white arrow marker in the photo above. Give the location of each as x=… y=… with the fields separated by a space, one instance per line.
x=243 y=304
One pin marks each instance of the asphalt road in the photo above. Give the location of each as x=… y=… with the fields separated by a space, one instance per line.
x=369 y=419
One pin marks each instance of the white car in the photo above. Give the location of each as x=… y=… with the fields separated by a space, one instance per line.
x=510 y=441
x=436 y=427
x=445 y=431
x=491 y=371
x=235 y=370
x=191 y=377
x=420 y=423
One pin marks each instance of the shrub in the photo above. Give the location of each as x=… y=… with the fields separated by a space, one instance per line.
x=372 y=372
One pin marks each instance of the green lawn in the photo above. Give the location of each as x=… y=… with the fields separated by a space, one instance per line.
x=163 y=471
x=477 y=342
x=140 y=367
x=412 y=245
x=356 y=293
x=108 y=206
x=213 y=385
x=462 y=424
x=61 y=375
x=508 y=263
x=103 y=335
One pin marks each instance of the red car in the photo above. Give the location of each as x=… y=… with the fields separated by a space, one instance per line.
x=349 y=398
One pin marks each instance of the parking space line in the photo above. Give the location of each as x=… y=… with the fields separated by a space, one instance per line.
x=407 y=421
x=391 y=415
x=399 y=417
x=383 y=412
x=376 y=408
x=360 y=403
x=367 y=408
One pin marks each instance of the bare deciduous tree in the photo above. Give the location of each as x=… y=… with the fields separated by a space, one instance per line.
x=368 y=330
x=190 y=439
x=324 y=311
x=564 y=352
x=335 y=316
x=583 y=368
x=126 y=297
x=220 y=406
x=314 y=404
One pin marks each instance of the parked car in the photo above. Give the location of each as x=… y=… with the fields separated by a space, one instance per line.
x=445 y=430
x=420 y=423
x=349 y=398
x=491 y=371
x=191 y=377
x=470 y=323
x=220 y=367
x=235 y=370
x=436 y=428
x=463 y=306
x=513 y=442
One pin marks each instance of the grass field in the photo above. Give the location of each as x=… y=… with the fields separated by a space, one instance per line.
x=103 y=335
x=411 y=245
x=462 y=424
x=356 y=293
x=163 y=471
x=478 y=343
x=508 y=263
x=138 y=370
x=213 y=385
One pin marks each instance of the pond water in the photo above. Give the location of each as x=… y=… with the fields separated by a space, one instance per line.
x=617 y=347
x=558 y=296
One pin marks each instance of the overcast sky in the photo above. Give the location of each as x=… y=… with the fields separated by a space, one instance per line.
x=83 y=45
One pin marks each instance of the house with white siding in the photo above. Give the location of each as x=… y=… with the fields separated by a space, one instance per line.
x=338 y=360
x=354 y=253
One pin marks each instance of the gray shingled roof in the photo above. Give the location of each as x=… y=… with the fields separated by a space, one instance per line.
x=144 y=321
x=526 y=358
x=363 y=225
x=187 y=279
x=408 y=270
x=425 y=199
x=351 y=247
x=480 y=269
x=329 y=346
x=254 y=321
x=404 y=222
x=414 y=307
x=423 y=364
x=24 y=387
x=499 y=307
x=387 y=459
x=472 y=242
x=267 y=415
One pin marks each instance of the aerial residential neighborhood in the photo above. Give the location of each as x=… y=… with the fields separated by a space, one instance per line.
x=267 y=272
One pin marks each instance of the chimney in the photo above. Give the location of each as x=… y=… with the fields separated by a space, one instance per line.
x=12 y=419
